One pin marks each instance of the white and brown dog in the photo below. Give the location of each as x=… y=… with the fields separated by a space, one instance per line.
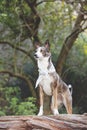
x=50 y=82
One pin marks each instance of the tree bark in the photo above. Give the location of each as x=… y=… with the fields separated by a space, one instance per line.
x=60 y=122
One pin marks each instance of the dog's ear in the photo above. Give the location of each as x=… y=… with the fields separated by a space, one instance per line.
x=47 y=45
x=36 y=45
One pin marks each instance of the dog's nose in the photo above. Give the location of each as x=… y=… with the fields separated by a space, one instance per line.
x=35 y=55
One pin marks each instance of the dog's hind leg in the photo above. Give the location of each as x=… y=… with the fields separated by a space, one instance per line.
x=41 y=102
x=67 y=100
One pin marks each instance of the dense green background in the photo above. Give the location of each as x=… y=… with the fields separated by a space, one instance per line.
x=24 y=22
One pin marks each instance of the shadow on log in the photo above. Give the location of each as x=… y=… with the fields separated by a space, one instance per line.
x=60 y=122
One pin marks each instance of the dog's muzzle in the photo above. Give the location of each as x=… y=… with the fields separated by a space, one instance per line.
x=35 y=55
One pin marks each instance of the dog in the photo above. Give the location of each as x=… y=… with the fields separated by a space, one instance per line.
x=50 y=83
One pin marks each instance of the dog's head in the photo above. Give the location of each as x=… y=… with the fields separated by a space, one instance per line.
x=42 y=51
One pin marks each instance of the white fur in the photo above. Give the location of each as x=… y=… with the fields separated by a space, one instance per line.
x=45 y=83
x=44 y=78
x=40 y=111
x=46 y=69
x=38 y=53
x=43 y=66
x=55 y=112
x=70 y=87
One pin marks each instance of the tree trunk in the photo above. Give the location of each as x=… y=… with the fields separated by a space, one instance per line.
x=60 y=122
x=68 y=43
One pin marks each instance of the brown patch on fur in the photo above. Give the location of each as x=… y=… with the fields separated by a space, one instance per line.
x=49 y=64
x=54 y=84
x=62 y=87
x=44 y=52
x=54 y=75
x=41 y=95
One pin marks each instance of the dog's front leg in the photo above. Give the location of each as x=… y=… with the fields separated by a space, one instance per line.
x=41 y=101
x=55 y=101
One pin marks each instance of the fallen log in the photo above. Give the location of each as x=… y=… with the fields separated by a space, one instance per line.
x=60 y=122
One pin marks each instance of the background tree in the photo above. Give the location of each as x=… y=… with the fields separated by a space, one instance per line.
x=24 y=22
x=79 y=26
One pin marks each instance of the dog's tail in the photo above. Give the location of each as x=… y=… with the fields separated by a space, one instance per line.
x=70 y=88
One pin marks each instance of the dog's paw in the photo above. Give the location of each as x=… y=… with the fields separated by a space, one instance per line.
x=40 y=111
x=55 y=112
x=40 y=114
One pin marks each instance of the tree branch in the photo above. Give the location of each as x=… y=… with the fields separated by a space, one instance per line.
x=40 y=2
x=20 y=76
x=68 y=43
x=32 y=5
x=34 y=20
x=19 y=49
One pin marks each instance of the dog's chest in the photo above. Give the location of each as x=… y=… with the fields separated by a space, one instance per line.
x=46 y=84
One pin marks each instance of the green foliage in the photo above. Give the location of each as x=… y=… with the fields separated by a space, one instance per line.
x=57 y=23
x=75 y=110
x=27 y=108
x=12 y=104
x=75 y=73
x=2 y=113
x=76 y=61
x=16 y=23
